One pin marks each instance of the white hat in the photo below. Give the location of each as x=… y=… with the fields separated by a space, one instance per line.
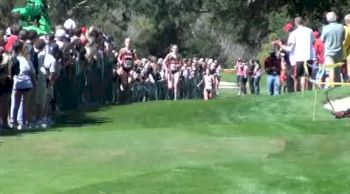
x=69 y=24
x=60 y=33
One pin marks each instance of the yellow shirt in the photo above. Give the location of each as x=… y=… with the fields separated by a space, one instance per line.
x=347 y=42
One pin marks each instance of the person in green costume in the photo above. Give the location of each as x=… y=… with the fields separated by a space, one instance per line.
x=35 y=17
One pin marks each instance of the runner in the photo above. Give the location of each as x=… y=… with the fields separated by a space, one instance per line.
x=172 y=65
x=126 y=59
x=257 y=76
x=212 y=68
x=218 y=78
x=185 y=74
x=208 y=81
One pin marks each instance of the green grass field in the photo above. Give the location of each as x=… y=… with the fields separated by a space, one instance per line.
x=248 y=145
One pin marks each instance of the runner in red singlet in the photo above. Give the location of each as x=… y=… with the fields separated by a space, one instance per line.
x=172 y=65
x=126 y=59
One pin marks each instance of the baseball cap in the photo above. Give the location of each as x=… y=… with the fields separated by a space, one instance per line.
x=54 y=49
x=288 y=27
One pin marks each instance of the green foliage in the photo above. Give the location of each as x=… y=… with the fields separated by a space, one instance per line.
x=226 y=25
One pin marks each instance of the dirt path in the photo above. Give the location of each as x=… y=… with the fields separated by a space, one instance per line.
x=228 y=85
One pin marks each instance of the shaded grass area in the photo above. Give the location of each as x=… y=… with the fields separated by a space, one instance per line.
x=230 y=145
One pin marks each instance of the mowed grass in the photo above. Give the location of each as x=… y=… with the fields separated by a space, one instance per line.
x=230 y=145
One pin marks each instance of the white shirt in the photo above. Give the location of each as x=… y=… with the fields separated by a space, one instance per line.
x=25 y=66
x=49 y=65
x=300 y=44
x=69 y=24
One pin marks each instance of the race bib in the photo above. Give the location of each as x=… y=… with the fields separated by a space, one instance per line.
x=128 y=64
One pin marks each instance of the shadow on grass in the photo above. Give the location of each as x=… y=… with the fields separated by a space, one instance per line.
x=69 y=119
x=80 y=118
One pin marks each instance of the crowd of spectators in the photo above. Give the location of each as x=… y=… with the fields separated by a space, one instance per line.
x=77 y=67
x=310 y=59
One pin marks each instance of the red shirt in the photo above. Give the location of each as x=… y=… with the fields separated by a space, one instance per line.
x=10 y=42
x=319 y=49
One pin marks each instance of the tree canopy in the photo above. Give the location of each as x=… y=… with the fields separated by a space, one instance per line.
x=219 y=28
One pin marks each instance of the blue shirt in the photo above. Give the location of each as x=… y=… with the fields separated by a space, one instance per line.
x=333 y=36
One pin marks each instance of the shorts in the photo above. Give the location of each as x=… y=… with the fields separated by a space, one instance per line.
x=335 y=72
x=209 y=90
x=321 y=74
x=300 y=71
x=212 y=72
x=174 y=71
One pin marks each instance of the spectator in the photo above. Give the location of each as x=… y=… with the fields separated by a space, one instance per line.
x=31 y=36
x=288 y=28
x=49 y=71
x=60 y=38
x=257 y=77
x=22 y=72
x=273 y=70
x=41 y=87
x=300 y=48
x=5 y=92
x=15 y=29
x=22 y=35
x=333 y=36
x=319 y=72
x=70 y=25
x=237 y=68
x=284 y=72
x=243 y=75
x=251 y=67
x=347 y=44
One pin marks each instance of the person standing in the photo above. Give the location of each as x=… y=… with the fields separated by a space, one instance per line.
x=172 y=64
x=333 y=36
x=319 y=72
x=257 y=76
x=273 y=69
x=243 y=75
x=300 y=48
x=347 y=44
x=22 y=72
x=251 y=67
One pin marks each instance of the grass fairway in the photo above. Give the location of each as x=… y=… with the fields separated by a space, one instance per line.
x=230 y=145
